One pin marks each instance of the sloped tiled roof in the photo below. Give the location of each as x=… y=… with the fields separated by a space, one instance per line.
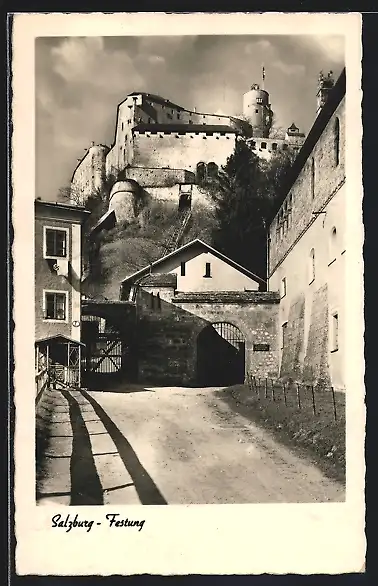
x=194 y=243
x=160 y=280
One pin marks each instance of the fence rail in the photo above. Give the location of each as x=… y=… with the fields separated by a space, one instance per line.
x=41 y=380
x=299 y=396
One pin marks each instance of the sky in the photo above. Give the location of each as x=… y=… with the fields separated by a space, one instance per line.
x=81 y=80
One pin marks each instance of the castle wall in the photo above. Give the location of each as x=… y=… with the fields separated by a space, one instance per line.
x=141 y=109
x=158 y=177
x=312 y=303
x=167 y=337
x=328 y=178
x=172 y=194
x=181 y=150
x=90 y=173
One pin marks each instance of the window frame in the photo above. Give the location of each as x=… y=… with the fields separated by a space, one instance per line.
x=207 y=274
x=311 y=266
x=283 y=288
x=183 y=268
x=284 y=326
x=312 y=182
x=332 y=245
x=56 y=229
x=334 y=339
x=44 y=305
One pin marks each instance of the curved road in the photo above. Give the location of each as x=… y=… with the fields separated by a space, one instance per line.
x=168 y=446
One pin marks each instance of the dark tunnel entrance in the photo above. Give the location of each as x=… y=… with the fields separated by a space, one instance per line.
x=220 y=355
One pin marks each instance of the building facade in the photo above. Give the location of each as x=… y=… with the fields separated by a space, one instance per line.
x=202 y=319
x=307 y=250
x=58 y=268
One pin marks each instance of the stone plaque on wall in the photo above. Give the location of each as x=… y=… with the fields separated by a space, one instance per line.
x=261 y=347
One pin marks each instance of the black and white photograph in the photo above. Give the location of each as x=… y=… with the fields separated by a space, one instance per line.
x=190 y=250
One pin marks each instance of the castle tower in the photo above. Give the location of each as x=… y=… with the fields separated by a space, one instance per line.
x=257 y=110
x=325 y=84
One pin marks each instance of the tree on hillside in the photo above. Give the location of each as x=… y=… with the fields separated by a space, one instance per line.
x=245 y=192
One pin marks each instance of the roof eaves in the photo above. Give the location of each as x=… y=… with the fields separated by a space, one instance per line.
x=141 y=272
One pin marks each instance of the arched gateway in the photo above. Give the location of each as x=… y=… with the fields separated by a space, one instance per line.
x=220 y=355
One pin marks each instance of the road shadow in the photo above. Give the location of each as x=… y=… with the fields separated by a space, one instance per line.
x=145 y=487
x=86 y=488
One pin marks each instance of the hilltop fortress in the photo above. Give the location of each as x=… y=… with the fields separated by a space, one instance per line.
x=165 y=152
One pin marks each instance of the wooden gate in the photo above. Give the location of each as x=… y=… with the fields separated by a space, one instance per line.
x=106 y=352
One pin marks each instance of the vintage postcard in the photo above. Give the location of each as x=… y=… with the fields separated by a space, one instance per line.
x=188 y=293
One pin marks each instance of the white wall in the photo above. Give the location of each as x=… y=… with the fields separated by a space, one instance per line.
x=223 y=276
x=329 y=269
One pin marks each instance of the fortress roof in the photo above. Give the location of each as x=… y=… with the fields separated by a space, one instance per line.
x=157 y=99
x=184 y=128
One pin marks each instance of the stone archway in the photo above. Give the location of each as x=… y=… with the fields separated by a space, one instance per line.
x=220 y=355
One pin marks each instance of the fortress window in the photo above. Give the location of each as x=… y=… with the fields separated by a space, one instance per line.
x=283 y=287
x=289 y=211
x=284 y=335
x=253 y=144
x=263 y=145
x=311 y=267
x=183 y=269
x=178 y=116
x=332 y=245
x=259 y=101
x=337 y=141
x=212 y=171
x=207 y=274
x=122 y=126
x=201 y=173
x=256 y=111
x=274 y=146
x=312 y=177
x=334 y=332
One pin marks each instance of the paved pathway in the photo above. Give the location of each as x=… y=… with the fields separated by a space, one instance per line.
x=168 y=446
